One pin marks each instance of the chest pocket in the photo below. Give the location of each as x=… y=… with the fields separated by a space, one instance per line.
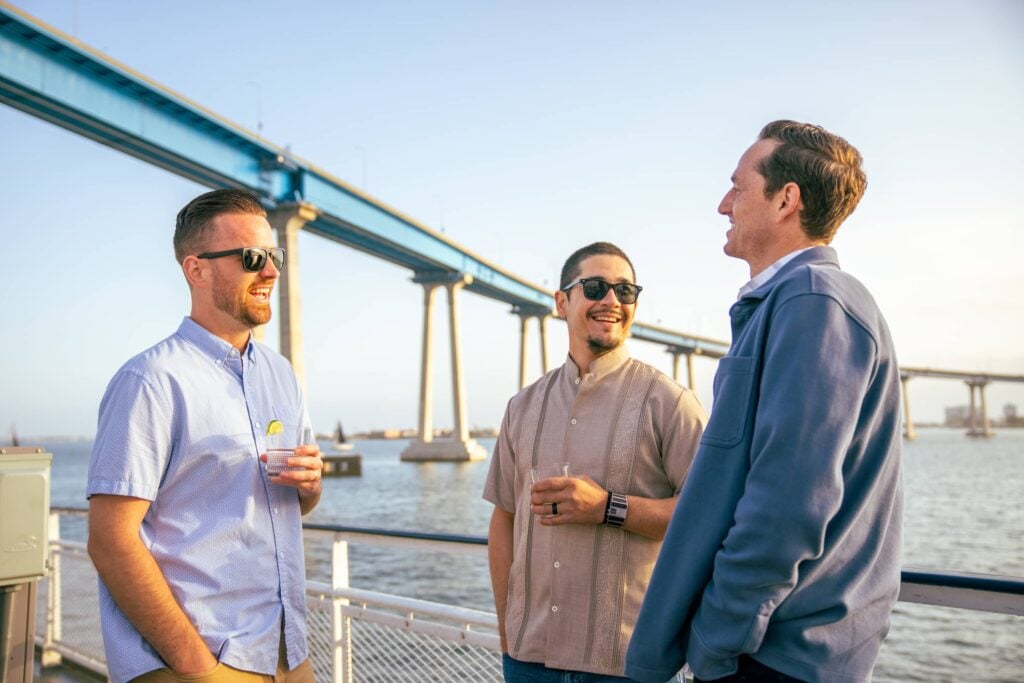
x=733 y=404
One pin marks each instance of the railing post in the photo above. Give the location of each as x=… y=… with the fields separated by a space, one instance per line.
x=341 y=625
x=49 y=655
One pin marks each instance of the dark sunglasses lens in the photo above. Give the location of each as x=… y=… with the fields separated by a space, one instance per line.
x=626 y=294
x=595 y=289
x=253 y=259
x=277 y=257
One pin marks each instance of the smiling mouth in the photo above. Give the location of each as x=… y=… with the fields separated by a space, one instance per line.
x=260 y=293
x=608 y=318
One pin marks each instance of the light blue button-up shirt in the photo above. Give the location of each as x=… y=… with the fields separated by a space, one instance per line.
x=182 y=425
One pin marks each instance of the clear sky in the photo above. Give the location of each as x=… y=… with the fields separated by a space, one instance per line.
x=524 y=130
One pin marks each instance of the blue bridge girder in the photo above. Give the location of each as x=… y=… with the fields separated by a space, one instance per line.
x=52 y=76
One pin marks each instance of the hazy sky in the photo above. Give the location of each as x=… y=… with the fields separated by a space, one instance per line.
x=523 y=131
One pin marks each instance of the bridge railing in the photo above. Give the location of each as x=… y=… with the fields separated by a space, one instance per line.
x=364 y=635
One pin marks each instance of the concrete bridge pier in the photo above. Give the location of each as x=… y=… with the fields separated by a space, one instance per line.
x=542 y=316
x=676 y=353
x=460 y=447
x=973 y=428
x=908 y=425
x=288 y=220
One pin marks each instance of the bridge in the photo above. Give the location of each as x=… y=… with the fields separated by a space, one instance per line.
x=977 y=419
x=54 y=77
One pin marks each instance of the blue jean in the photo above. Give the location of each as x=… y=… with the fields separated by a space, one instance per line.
x=516 y=671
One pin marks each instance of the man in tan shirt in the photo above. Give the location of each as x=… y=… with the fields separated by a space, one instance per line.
x=570 y=557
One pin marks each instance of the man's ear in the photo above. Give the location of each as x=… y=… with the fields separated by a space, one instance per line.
x=788 y=200
x=562 y=303
x=196 y=272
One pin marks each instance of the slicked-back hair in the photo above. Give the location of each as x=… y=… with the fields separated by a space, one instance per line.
x=825 y=167
x=571 y=269
x=191 y=231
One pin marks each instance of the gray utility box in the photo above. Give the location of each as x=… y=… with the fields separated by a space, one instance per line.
x=24 y=514
x=24 y=548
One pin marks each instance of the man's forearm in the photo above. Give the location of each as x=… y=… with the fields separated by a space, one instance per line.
x=649 y=516
x=499 y=555
x=141 y=592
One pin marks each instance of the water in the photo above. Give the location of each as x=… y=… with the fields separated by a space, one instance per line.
x=964 y=512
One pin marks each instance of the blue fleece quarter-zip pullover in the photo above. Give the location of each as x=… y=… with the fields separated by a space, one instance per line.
x=785 y=543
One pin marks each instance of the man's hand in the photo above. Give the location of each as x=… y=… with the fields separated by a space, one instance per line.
x=579 y=499
x=307 y=480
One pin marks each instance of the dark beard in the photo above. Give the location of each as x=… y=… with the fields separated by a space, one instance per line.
x=240 y=312
x=599 y=348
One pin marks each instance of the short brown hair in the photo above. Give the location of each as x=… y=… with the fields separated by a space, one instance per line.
x=192 y=227
x=826 y=168
x=571 y=269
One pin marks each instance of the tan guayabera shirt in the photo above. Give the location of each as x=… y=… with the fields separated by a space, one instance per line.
x=575 y=590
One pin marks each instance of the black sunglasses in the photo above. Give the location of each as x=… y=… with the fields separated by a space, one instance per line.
x=595 y=290
x=254 y=259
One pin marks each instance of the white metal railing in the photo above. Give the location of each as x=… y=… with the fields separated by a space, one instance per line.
x=354 y=634
x=363 y=635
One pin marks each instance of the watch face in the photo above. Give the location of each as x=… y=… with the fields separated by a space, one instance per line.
x=618 y=506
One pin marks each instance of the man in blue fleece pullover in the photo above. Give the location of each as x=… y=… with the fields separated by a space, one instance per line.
x=781 y=562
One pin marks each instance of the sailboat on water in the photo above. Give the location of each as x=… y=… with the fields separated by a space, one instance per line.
x=340 y=443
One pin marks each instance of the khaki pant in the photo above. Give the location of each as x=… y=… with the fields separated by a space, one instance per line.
x=222 y=673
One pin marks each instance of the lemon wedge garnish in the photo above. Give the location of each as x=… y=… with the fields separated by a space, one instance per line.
x=275 y=427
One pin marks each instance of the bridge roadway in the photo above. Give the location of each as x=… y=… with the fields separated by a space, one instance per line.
x=55 y=77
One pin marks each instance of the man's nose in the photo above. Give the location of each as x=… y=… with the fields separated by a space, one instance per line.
x=725 y=206
x=610 y=293
x=270 y=271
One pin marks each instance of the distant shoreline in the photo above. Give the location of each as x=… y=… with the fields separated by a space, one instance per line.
x=396 y=434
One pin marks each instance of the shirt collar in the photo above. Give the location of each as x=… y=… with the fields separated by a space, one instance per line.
x=768 y=273
x=602 y=365
x=210 y=344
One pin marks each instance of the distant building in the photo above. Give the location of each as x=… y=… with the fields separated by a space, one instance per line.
x=1010 y=416
x=958 y=416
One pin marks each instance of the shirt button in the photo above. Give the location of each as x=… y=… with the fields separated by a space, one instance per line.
x=572 y=421
x=281 y=556
x=554 y=608
x=275 y=511
x=557 y=565
x=577 y=380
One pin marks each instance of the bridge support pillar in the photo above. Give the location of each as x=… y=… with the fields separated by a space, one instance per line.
x=288 y=220
x=973 y=427
x=676 y=353
x=908 y=425
x=460 y=446
x=542 y=316
x=524 y=335
x=542 y=325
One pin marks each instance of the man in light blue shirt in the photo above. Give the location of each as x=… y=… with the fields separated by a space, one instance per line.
x=199 y=552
